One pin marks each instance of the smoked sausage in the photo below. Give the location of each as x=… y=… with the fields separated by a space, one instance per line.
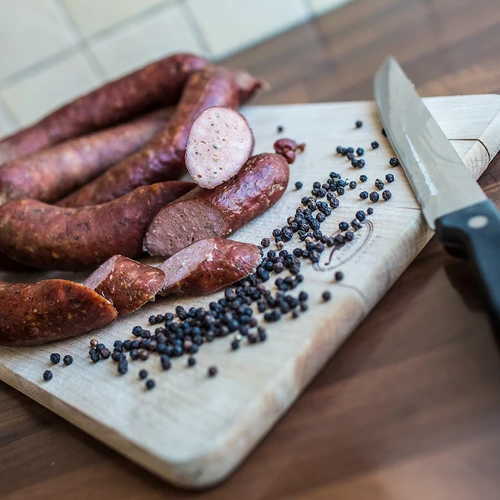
x=126 y=283
x=54 y=309
x=50 y=237
x=157 y=84
x=208 y=265
x=54 y=172
x=208 y=213
x=163 y=158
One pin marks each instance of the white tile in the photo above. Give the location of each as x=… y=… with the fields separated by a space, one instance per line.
x=244 y=23
x=139 y=43
x=30 y=30
x=37 y=94
x=322 y=6
x=93 y=16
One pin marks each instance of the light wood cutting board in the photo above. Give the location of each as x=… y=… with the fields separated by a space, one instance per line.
x=192 y=430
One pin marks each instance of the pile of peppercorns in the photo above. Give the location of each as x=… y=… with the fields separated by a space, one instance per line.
x=233 y=316
x=55 y=358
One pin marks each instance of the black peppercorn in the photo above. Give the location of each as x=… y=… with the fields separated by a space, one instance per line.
x=359 y=123
x=326 y=296
x=360 y=151
x=166 y=364
x=389 y=178
x=387 y=195
x=355 y=224
x=47 y=375
x=137 y=331
x=117 y=356
x=303 y=296
x=361 y=163
x=320 y=217
x=212 y=371
x=360 y=215
x=350 y=156
x=363 y=178
x=280 y=129
x=143 y=374
x=235 y=345
x=340 y=239
x=123 y=367
x=191 y=361
x=394 y=162
x=379 y=184
x=375 y=145
x=134 y=354
x=298 y=185
x=152 y=319
x=150 y=384
x=349 y=236
x=265 y=242
x=353 y=184
x=105 y=353
x=355 y=163
x=343 y=226
x=95 y=357
x=374 y=196
x=55 y=358
x=369 y=210
x=262 y=335
x=364 y=195
x=339 y=276
x=340 y=190
x=68 y=359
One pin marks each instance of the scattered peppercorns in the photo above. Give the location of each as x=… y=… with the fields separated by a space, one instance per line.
x=369 y=210
x=394 y=162
x=360 y=151
x=353 y=184
x=363 y=178
x=339 y=276
x=143 y=374
x=326 y=296
x=280 y=129
x=298 y=185
x=375 y=145
x=55 y=358
x=212 y=371
x=47 y=375
x=363 y=195
x=359 y=123
x=374 y=196
x=150 y=384
x=191 y=361
x=265 y=242
x=379 y=184
x=68 y=360
x=389 y=178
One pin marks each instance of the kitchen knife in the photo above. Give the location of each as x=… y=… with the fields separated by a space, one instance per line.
x=466 y=222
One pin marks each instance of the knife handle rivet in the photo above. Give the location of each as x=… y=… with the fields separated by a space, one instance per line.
x=478 y=221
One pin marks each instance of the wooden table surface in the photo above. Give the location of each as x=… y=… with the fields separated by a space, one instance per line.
x=410 y=406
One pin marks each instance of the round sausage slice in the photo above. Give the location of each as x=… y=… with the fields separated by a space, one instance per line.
x=208 y=265
x=219 y=143
x=126 y=283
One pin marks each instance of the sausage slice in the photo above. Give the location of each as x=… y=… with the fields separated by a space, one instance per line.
x=219 y=143
x=208 y=265
x=49 y=310
x=126 y=283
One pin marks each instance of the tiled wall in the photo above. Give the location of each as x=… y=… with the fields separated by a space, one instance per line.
x=54 y=50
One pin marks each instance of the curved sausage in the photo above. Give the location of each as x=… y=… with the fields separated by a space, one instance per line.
x=126 y=283
x=208 y=213
x=33 y=314
x=208 y=265
x=50 y=237
x=163 y=158
x=56 y=171
x=157 y=84
x=219 y=143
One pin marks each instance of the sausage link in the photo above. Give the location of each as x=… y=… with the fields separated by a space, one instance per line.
x=50 y=237
x=56 y=171
x=155 y=85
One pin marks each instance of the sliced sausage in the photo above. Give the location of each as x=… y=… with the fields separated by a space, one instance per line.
x=58 y=170
x=50 y=237
x=208 y=265
x=155 y=85
x=163 y=158
x=49 y=310
x=126 y=283
x=219 y=143
x=208 y=213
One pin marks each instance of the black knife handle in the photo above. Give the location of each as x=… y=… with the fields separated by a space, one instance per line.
x=474 y=233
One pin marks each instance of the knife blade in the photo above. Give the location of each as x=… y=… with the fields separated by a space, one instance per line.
x=453 y=204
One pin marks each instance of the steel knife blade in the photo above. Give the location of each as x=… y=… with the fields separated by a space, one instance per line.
x=453 y=204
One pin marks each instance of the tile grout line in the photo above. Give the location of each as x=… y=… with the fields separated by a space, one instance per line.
x=85 y=50
x=195 y=27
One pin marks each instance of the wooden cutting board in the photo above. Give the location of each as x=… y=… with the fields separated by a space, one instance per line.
x=193 y=430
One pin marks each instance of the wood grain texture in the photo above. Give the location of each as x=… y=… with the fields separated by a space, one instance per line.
x=409 y=408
